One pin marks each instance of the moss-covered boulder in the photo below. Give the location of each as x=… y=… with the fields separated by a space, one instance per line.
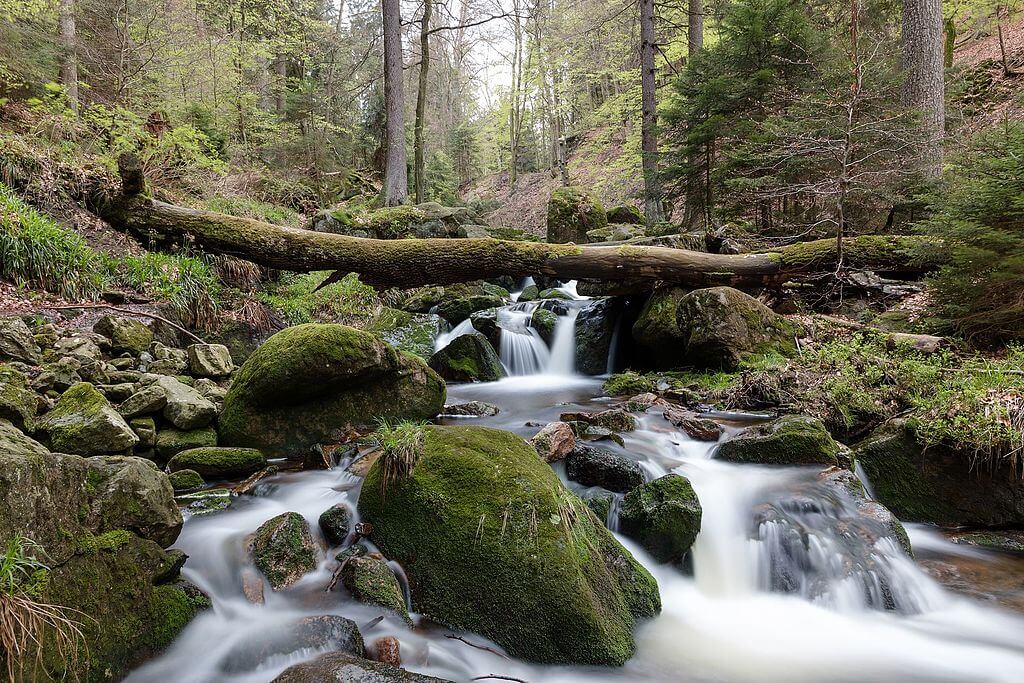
x=627 y=214
x=660 y=344
x=938 y=484
x=102 y=523
x=283 y=549
x=544 y=321
x=335 y=522
x=456 y=310
x=371 y=581
x=223 y=462
x=722 y=327
x=789 y=440
x=468 y=358
x=13 y=440
x=126 y=335
x=313 y=383
x=18 y=402
x=663 y=516
x=595 y=328
x=186 y=481
x=84 y=423
x=17 y=342
x=486 y=323
x=492 y=542
x=529 y=293
x=170 y=442
x=572 y=211
x=341 y=666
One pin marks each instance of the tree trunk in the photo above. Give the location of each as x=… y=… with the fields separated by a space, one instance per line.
x=280 y=86
x=416 y=262
x=923 y=85
x=69 y=46
x=396 y=184
x=649 y=121
x=694 y=29
x=421 y=103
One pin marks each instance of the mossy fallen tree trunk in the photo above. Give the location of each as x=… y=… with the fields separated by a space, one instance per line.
x=415 y=262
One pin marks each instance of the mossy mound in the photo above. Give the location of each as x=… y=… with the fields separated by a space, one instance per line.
x=663 y=516
x=283 y=549
x=468 y=358
x=572 y=211
x=371 y=581
x=222 y=462
x=84 y=423
x=126 y=335
x=723 y=326
x=185 y=481
x=313 y=383
x=938 y=484
x=493 y=543
x=170 y=442
x=660 y=343
x=544 y=321
x=626 y=213
x=790 y=440
x=456 y=310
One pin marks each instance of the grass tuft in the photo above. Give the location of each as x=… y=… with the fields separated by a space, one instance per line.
x=401 y=444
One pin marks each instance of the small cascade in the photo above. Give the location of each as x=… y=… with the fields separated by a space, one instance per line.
x=612 y=521
x=522 y=351
x=403 y=581
x=563 y=345
x=519 y=289
x=445 y=338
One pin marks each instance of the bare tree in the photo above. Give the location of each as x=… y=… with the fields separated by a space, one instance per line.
x=923 y=84
x=69 y=45
x=396 y=186
x=649 y=121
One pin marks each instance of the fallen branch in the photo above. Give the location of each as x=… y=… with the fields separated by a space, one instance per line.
x=925 y=343
x=479 y=647
x=498 y=677
x=128 y=311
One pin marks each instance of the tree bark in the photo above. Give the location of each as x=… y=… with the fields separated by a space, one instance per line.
x=396 y=184
x=649 y=119
x=416 y=262
x=421 y=103
x=694 y=28
x=923 y=84
x=69 y=46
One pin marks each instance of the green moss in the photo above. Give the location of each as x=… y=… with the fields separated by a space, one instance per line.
x=468 y=358
x=663 y=516
x=186 y=480
x=221 y=462
x=283 y=549
x=170 y=442
x=112 y=541
x=572 y=211
x=17 y=401
x=371 y=581
x=492 y=542
x=790 y=440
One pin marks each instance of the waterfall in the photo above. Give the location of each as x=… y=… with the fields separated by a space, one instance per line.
x=445 y=338
x=522 y=350
x=612 y=521
x=563 y=345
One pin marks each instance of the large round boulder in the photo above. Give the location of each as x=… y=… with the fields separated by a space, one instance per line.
x=313 y=383
x=468 y=358
x=789 y=440
x=84 y=423
x=722 y=327
x=572 y=211
x=492 y=542
x=663 y=516
x=219 y=462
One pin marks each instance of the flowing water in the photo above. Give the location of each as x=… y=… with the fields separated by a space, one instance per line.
x=787 y=584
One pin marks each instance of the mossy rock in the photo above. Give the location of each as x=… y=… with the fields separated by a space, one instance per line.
x=371 y=581
x=126 y=335
x=13 y=440
x=84 y=423
x=593 y=466
x=938 y=484
x=789 y=440
x=185 y=481
x=663 y=516
x=626 y=213
x=486 y=323
x=659 y=341
x=283 y=549
x=722 y=327
x=17 y=342
x=572 y=211
x=529 y=293
x=312 y=384
x=595 y=328
x=341 y=666
x=468 y=358
x=170 y=442
x=335 y=522
x=223 y=462
x=456 y=310
x=18 y=402
x=555 y=293
x=544 y=321
x=493 y=543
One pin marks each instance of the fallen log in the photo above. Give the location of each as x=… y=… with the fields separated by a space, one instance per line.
x=438 y=261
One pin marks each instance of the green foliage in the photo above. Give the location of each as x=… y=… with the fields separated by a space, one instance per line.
x=442 y=182
x=35 y=251
x=186 y=282
x=20 y=568
x=978 y=224
x=253 y=208
x=400 y=445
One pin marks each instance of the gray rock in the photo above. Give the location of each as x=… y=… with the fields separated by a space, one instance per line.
x=209 y=360
x=170 y=442
x=335 y=523
x=340 y=667
x=322 y=632
x=595 y=327
x=12 y=440
x=592 y=466
x=84 y=423
x=18 y=403
x=84 y=345
x=17 y=343
x=126 y=335
x=145 y=429
x=186 y=408
x=148 y=401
